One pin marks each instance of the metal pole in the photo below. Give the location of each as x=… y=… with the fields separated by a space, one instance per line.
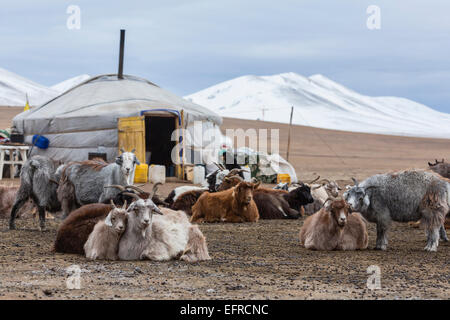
x=289 y=135
x=122 y=45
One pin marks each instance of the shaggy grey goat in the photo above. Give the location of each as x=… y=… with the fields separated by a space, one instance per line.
x=84 y=182
x=103 y=242
x=404 y=196
x=37 y=179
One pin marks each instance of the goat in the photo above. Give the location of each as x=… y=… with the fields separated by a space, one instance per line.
x=280 y=204
x=403 y=196
x=232 y=205
x=84 y=182
x=187 y=199
x=442 y=168
x=74 y=231
x=7 y=197
x=36 y=183
x=175 y=193
x=160 y=237
x=332 y=228
x=128 y=193
x=320 y=192
x=103 y=242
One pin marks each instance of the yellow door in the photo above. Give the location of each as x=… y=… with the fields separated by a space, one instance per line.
x=132 y=135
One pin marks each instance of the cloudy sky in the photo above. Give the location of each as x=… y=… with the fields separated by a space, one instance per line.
x=188 y=45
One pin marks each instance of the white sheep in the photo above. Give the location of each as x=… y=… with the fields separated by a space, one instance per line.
x=103 y=241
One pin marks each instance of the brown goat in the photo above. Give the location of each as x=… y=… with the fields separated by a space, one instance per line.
x=186 y=200
x=232 y=205
x=7 y=198
x=332 y=228
x=74 y=231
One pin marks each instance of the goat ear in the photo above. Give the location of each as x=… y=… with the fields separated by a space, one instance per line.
x=122 y=150
x=430 y=164
x=133 y=151
x=137 y=160
x=327 y=205
x=108 y=221
x=119 y=160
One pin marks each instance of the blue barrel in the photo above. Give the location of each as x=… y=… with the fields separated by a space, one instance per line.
x=40 y=141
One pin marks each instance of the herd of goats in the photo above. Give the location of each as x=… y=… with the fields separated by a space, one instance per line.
x=106 y=217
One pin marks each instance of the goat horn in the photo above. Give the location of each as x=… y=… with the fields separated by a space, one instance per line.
x=133 y=195
x=118 y=186
x=324 y=180
x=135 y=188
x=154 y=190
x=122 y=150
x=217 y=165
x=124 y=205
x=54 y=181
x=355 y=181
x=312 y=181
x=113 y=205
x=430 y=164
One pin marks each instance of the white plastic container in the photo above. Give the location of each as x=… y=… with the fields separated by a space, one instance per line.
x=199 y=175
x=157 y=173
x=247 y=174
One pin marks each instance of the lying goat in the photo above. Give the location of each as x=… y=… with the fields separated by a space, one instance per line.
x=333 y=228
x=232 y=205
x=103 y=242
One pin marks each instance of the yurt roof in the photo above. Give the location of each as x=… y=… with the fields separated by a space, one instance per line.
x=107 y=97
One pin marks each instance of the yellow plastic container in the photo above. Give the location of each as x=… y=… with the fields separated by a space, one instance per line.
x=141 y=173
x=283 y=178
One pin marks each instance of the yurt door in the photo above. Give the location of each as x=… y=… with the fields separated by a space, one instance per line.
x=132 y=135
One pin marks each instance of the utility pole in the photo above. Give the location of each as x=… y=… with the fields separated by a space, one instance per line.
x=289 y=135
x=121 y=53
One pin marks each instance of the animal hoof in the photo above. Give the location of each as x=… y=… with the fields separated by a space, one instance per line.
x=12 y=226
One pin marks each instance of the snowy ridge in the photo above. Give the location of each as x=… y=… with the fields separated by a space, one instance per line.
x=320 y=102
x=14 y=89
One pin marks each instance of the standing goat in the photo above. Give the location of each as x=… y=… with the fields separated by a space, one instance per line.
x=232 y=205
x=403 y=196
x=37 y=179
x=332 y=228
x=84 y=182
x=103 y=242
x=7 y=197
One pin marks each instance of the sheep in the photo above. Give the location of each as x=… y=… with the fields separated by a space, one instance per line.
x=232 y=205
x=7 y=198
x=165 y=236
x=280 y=204
x=402 y=196
x=442 y=168
x=103 y=242
x=320 y=192
x=36 y=182
x=332 y=228
x=84 y=182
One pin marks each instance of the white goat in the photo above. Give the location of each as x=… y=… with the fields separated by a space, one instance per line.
x=320 y=192
x=103 y=241
x=162 y=237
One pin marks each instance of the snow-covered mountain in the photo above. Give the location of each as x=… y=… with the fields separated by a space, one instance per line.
x=320 y=102
x=14 y=88
x=70 y=83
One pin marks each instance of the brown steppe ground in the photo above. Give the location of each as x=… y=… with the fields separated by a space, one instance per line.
x=251 y=261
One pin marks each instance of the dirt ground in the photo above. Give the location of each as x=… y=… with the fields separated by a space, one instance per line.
x=252 y=261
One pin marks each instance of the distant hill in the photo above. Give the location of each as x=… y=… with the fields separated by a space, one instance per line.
x=14 y=88
x=320 y=102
